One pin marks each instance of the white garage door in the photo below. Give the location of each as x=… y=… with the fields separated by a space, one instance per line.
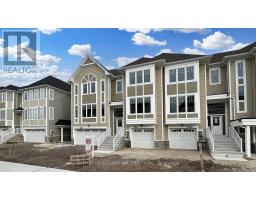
x=183 y=139
x=142 y=138
x=34 y=135
x=81 y=135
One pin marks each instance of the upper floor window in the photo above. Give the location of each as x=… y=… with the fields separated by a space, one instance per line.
x=181 y=74
x=138 y=77
x=172 y=75
x=89 y=84
x=33 y=113
x=173 y=104
x=25 y=97
x=190 y=73
x=42 y=93
x=215 y=76
x=51 y=94
x=2 y=115
x=241 y=86
x=36 y=94
x=2 y=97
x=119 y=86
x=89 y=110
x=140 y=105
x=41 y=112
x=76 y=89
x=182 y=104
x=30 y=95
x=51 y=113
x=102 y=85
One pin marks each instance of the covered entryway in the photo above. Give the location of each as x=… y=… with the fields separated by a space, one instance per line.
x=65 y=130
x=34 y=135
x=182 y=138
x=216 y=124
x=142 y=138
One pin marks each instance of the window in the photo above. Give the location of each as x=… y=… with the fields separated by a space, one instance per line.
x=92 y=87
x=173 y=104
x=76 y=89
x=30 y=97
x=102 y=86
x=215 y=76
x=51 y=94
x=89 y=110
x=191 y=103
x=85 y=88
x=103 y=110
x=41 y=112
x=36 y=94
x=26 y=113
x=172 y=75
x=132 y=106
x=139 y=105
x=51 y=113
x=139 y=76
x=2 y=115
x=25 y=97
x=2 y=97
x=42 y=93
x=33 y=113
x=182 y=107
x=241 y=86
x=76 y=111
x=132 y=78
x=146 y=75
x=181 y=74
x=147 y=104
x=119 y=86
x=190 y=73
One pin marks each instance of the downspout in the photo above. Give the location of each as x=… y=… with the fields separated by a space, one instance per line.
x=229 y=92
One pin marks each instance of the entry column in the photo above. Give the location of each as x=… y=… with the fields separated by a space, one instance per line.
x=248 y=141
x=61 y=134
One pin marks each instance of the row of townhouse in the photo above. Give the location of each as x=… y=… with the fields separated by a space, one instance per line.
x=168 y=101
x=40 y=111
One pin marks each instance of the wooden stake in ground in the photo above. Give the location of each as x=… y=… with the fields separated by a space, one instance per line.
x=201 y=156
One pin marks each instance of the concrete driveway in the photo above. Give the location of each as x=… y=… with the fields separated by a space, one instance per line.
x=17 y=167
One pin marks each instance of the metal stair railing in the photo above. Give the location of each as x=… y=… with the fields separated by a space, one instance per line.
x=210 y=138
x=6 y=135
x=117 y=139
x=235 y=136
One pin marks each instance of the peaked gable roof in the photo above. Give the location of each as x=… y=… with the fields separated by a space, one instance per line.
x=9 y=87
x=51 y=81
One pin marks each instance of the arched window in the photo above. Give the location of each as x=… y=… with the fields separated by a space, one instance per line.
x=89 y=84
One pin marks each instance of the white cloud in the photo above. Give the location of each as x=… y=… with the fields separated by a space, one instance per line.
x=217 y=40
x=148 y=56
x=121 y=61
x=164 y=51
x=237 y=46
x=191 y=30
x=1 y=41
x=97 y=57
x=80 y=49
x=142 y=39
x=181 y=30
x=48 y=31
x=134 y=30
x=192 y=51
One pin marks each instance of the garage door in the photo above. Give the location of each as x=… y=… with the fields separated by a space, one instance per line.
x=35 y=135
x=142 y=138
x=183 y=139
x=81 y=134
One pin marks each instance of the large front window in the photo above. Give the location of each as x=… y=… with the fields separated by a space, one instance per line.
x=173 y=104
x=139 y=77
x=140 y=105
x=182 y=107
x=191 y=103
x=89 y=110
x=181 y=74
x=241 y=86
x=89 y=84
x=172 y=75
x=132 y=106
x=215 y=76
x=185 y=104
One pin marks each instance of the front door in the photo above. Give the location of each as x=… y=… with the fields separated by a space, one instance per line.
x=119 y=125
x=217 y=124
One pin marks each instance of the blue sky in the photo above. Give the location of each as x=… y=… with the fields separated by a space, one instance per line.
x=61 y=50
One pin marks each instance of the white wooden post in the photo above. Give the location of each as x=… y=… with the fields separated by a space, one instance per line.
x=247 y=141
x=61 y=134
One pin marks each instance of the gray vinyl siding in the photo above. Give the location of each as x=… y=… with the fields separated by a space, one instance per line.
x=115 y=96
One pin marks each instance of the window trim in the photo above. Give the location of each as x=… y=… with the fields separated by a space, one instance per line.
x=3 y=110
x=3 y=94
x=237 y=87
x=51 y=109
x=40 y=95
x=176 y=68
x=143 y=105
x=210 y=76
x=50 y=89
x=91 y=117
x=135 y=76
x=118 y=81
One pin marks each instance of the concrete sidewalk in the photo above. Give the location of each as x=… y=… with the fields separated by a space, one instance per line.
x=17 y=167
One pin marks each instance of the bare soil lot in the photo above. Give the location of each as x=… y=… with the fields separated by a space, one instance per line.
x=126 y=160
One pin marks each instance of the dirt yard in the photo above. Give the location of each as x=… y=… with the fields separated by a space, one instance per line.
x=126 y=160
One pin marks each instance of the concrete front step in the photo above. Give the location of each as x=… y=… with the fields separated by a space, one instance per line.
x=228 y=156
x=16 y=139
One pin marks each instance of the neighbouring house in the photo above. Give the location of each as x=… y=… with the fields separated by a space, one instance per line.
x=168 y=101
x=40 y=111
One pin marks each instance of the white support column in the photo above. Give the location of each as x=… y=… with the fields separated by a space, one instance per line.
x=247 y=141
x=61 y=134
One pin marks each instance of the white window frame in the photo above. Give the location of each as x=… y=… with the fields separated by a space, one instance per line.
x=2 y=113
x=51 y=91
x=26 y=114
x=51 y=113
x=31 y=95
x=41 y=114
x=25 y=94
x=176 y=68
x=140 y=69
x=143 y=105
x=36 y=94
x=244 y=85
x=119 y=81
x=2 y=97
x=33 y=113
x=42 y=93
x=76 y=104
x=91 y=110
x=210 y=76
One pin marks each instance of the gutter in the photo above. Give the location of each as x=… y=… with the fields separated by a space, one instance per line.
x=188 y=60
x=143 y=64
